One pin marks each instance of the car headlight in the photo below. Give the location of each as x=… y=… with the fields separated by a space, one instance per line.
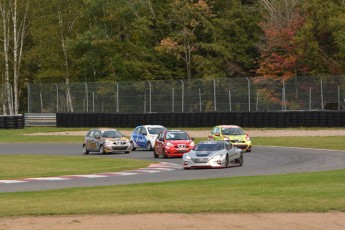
x=226 y=139
x=188 y=157
x=216 y=157
x=192 y=144
x=107 y=142
x=169 y=144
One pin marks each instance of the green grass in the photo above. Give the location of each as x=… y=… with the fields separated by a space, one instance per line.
x=18 y=135
x=26 y=166
x=333 y=142
x=303 y=192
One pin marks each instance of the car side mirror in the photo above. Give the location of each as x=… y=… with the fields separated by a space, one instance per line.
x=192 y=138
x=217 y=134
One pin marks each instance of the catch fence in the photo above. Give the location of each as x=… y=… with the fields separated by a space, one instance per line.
x=195 y=95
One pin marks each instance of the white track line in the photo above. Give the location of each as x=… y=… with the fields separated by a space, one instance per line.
x=154 y=168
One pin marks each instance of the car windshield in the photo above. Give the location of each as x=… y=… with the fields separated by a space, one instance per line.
x=111 y=134
x=155 y=130
x=177 y=136
x=214 y=146
x=232 y=131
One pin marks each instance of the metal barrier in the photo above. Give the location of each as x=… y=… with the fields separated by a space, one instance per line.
x=40 y=119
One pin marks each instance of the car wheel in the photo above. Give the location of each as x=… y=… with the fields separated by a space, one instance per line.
x=85 y=150
x=132 y=145
x=149 y=146
x=155 y=155
x=239 y=161
x=249 y=150
x=164 y=155
x=127 y=152
x=227 y=161
x=101 y=149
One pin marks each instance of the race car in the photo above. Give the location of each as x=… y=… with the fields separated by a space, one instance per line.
x=232 y=133
x=105 y=141
x=144 y=136
x=212 y=154
x=172 y=143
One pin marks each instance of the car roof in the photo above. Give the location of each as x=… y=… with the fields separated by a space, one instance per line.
x=104 y=129
x=158 y=126
x=229 y=126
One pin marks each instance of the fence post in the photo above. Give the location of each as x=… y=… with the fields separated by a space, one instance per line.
x=57 y=97
x=283 y=97
x=117 y=97
x=321 y=95
x=200 y=99
x=150 y=94
x=214 y=95
x=93 y=101
x=338 y=97
x=145 y=101
x=173 y=100
x=86 y=97
x=248 y=93
x=229 y=100
x=182 y=95
x=257 y=101
x=29 y=95
x=309 y=98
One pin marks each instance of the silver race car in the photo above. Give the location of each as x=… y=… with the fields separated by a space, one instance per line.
x=212 y=154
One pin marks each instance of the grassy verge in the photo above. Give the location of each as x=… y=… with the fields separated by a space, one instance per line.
x=304 y=192
x=18 y=135
x=26 y=166
x=333 y=142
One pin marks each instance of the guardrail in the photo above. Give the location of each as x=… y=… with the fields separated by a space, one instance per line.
x=40 y=119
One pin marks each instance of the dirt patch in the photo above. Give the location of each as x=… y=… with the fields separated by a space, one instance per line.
x=268 y=221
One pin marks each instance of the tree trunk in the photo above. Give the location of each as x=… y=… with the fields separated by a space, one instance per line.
x=6 y=38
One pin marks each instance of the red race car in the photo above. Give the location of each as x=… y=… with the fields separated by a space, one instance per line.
x=172 y=143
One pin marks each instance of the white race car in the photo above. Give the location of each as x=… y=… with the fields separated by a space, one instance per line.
x=144 y=136
x=212 y=154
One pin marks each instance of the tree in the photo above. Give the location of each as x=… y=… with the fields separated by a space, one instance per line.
x=320 y=40
x=54 y=25
x=187 y=19
x=14 y=25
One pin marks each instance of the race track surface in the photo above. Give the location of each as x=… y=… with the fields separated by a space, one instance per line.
x=261 y=161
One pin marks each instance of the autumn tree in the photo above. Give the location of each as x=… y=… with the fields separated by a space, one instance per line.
x=320 y=41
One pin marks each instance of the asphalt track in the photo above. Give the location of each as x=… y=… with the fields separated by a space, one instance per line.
x=261 y=161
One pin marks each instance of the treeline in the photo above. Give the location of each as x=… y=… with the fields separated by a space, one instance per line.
x=115 y=40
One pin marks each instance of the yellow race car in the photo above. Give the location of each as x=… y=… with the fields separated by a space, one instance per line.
x=232 y=133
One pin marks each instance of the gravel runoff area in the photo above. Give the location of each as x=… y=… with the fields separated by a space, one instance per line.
x=201 y=221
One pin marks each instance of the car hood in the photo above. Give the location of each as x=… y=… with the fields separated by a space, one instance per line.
x=115 y=139
x=194 y=154
x=175 y=142
x=235 y=137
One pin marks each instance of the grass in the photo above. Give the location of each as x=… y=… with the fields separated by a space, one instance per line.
x=18 y=135
x=302 y=192
x=26 y=166
x=332 y=142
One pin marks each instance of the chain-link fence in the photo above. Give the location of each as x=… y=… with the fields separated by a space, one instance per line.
x=196 y=95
